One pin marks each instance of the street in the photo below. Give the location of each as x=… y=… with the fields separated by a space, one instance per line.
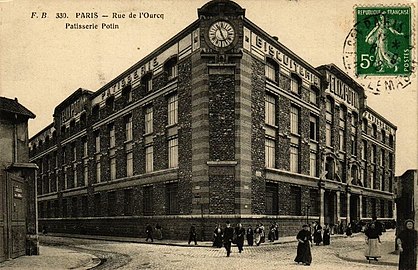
x=344 y=253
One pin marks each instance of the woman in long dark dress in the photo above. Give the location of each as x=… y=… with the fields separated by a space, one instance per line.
x=327 y=235
x=217 y=236
x=407 y=243
x=304 y=246
x=317 y=234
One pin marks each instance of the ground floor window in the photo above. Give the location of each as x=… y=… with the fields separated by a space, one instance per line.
x=171 y=192
x=272 y=198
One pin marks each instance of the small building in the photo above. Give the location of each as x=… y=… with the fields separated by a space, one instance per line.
x=18 y=221
x=406 y=197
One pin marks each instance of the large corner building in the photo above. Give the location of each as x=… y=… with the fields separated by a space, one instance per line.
x=221 y=122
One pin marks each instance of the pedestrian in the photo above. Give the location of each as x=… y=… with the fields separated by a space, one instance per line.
x=317 y=233
x=271 y=234
x=276 y=231
x=148 y=231
x=239 y=234
x=304 y=238
x=192 y=234
x=250 y=236
x=262 y=233
x=348 y=230
x=257 y=235
x=407 y=243
x=372 y=241
x=378 y=225
x=158 y=232
x=327 y=235
x=217 y=236
x=228 y=236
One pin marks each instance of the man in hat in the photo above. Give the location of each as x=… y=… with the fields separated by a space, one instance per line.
x=227 y=238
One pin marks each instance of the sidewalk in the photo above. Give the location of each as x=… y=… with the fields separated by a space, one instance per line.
x=387 y=250
x=53 y=258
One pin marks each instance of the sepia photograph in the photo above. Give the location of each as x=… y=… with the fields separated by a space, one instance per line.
x=208 y=134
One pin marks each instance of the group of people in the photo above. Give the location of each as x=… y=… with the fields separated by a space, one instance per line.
x=254 y=236
x=149 y=231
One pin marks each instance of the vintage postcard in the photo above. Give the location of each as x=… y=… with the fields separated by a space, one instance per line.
x=208 y=134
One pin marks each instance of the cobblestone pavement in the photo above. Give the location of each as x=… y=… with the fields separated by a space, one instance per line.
x=147 y=256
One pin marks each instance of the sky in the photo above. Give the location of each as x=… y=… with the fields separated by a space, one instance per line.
x=42 y=62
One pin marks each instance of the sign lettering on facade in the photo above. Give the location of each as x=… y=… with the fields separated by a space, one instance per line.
x=342 y=91
x=254 y=43
x=379 y=123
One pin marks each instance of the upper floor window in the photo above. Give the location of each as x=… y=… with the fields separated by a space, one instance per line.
x=83 y=119
x=364 y=125
x=270 y=109
x=146 y=81
x=72 y=125
x=271 y=70
x=313 y=128
x=148 y=119
x=329 y=111
x=110 y=103
x=127 y=93
x=313 y=95
x=96 y=111
x=294 y=120
x=374 y=130
x=295 y=84
x=97 y=141
x=391 y=140
x=128 y=127
x=171 y=68
x=342 y=114
x=173 y=109
x=383 y=136
x=112 y=138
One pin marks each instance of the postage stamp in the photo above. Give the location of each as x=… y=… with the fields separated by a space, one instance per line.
x=383 y=40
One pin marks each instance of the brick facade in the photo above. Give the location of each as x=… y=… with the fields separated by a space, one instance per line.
x=220 y=169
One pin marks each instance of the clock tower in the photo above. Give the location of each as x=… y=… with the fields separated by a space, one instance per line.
x=221 y=29
x=219 y=186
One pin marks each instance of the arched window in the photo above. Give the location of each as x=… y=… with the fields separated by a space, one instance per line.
x=391 y=140
x=313 y=95
x=383 y=136
x=170 y=67
x=146 y=82
x=272 y=70
x=295 y=84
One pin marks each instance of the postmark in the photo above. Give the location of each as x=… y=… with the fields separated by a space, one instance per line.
x=379 y=50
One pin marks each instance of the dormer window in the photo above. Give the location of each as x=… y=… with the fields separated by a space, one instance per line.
x=146 y=81
x=171 y=68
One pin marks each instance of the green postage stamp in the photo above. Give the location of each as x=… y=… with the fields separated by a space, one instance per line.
x=383 y=40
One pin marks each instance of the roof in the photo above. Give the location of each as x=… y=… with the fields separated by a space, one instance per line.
x=13 y=106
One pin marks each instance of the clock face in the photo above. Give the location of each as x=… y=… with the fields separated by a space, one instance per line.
x=221 y=34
